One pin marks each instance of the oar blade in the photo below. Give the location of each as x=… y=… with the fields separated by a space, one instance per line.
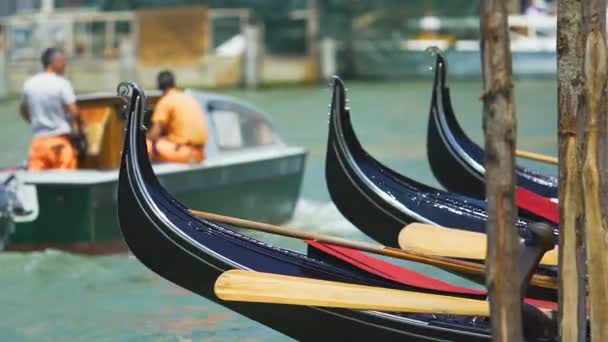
x=452 y=243
x=537 y=157
x=248 y=286
x=436 y=240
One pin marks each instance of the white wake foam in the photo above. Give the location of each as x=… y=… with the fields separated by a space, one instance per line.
x=321 y=217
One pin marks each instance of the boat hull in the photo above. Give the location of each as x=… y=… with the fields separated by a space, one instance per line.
x=457 y=161
x=175 y=262
x=192 y=252
x=358 y=203
x=381 y=202
x=82 y=217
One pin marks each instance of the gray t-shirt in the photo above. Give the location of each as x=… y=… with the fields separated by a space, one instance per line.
x=47 y=96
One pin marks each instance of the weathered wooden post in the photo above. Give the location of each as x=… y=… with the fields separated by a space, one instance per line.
x=328 y=58
x=253 y=56
x=572 y=318
x=127 y=60
x=595 y=72
x=514 y=6
x=500 y=128
x=4 y=79
x=312 y=28
x=110 y=37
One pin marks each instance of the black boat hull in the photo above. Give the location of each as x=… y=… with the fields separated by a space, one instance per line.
x=380 y=201
x=457 y=161
x=192 y=253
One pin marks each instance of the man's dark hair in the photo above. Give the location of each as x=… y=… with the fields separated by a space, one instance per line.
x=165 y=80
x=48 y=55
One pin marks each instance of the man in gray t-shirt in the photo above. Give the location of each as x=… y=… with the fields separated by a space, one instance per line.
x=49 y=105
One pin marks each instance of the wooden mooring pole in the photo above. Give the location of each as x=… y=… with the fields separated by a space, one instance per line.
x=500 y=129
x=572 y=293
x=4 y=83
x=595 y=72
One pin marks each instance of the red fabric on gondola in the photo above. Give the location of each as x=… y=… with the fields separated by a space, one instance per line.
x=537 y=204
x=545 y=304
x=403 y=275
x=390 y=271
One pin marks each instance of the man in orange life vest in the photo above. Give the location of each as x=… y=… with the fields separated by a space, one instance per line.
x=49 y=105
x=179 y=131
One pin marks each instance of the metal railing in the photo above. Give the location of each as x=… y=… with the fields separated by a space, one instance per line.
x=85 y=33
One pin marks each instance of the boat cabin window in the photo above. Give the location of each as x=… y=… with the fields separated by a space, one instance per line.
x=237 y=130
x=228 y=129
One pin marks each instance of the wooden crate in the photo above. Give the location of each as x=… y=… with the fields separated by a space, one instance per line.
x=179 y=36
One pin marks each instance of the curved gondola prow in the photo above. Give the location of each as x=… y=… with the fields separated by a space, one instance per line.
x=442 y=100
x=456 y=160
x=135 y=168
x=443 y=149
x=372 y=211
x=378 y=200
x=373 y=197
x=135 y=157
x=135 y=179
x=340 y=123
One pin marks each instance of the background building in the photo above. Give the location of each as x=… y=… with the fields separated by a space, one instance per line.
x=247 y=42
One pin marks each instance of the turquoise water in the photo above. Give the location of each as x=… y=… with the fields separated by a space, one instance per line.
x=55 y=296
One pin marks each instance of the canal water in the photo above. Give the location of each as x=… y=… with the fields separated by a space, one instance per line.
x=55 y=296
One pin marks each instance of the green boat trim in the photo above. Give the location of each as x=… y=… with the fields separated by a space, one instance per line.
x=90 y=177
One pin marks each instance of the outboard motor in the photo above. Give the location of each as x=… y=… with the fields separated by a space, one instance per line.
x=7 y=225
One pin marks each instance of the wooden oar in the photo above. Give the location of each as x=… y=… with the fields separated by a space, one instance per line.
x=258 y=287
x=536 y=157
x=452 y=243
x=453 y=264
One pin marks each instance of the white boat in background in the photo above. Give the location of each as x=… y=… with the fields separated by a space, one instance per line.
x=533 y=48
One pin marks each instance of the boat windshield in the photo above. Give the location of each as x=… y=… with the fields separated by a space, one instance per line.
x=236 y=126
